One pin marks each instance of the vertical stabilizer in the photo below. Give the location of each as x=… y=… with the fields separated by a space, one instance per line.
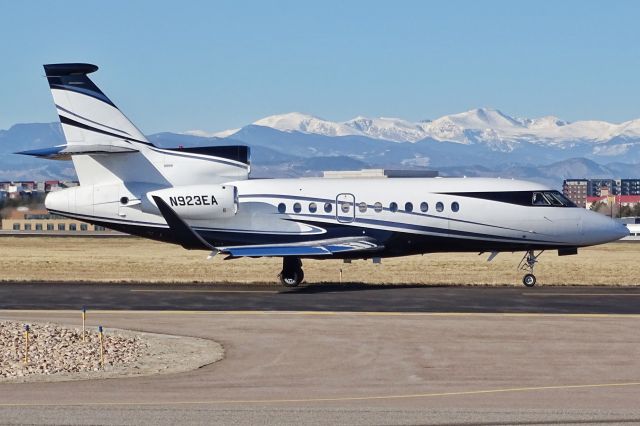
x=87 y=115
x=107 y=149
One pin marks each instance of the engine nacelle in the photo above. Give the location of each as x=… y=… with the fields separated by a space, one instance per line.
x=200 y=201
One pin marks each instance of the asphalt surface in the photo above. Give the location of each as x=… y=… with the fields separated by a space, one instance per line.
x=349 y=354
x=358 y=369
x=343 y=297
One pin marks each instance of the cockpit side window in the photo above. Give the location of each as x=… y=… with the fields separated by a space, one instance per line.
x=543 y=198
x=554 y=201
x=538 y=199
x=551 y=198
x=563 y=200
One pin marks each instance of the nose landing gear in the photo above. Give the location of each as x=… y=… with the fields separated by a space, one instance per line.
x=292 y=274
x=527 y=263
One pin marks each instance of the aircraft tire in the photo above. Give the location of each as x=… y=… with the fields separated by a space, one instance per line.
x=529 y=280
x=291 y=278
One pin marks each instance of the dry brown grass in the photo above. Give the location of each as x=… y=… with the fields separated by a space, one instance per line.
x=134 y=259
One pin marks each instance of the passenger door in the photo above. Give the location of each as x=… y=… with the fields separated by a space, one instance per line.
x=345 y=208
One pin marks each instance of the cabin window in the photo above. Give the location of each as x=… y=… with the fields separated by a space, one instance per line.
x=393 y=207
x=408 y=207
x=297 y=208
x=377 y=207
x=328 y=207
x=455 y=206
x=439 y=206
x=282 y=208
x=313 y=207
x=424 y=207
x=362 y=206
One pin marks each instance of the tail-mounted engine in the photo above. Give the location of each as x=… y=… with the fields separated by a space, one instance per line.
x=197 y=201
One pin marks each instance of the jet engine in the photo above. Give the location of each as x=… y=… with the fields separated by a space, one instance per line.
x=199 y=201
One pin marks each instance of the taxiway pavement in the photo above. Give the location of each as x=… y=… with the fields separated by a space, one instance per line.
x=401 y=356
x=322 y=297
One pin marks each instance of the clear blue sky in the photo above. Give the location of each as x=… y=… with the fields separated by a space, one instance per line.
x=175 y=66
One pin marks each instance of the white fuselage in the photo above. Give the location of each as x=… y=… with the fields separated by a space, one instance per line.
x=294 y=210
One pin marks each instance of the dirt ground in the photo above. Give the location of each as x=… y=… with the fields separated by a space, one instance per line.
x=135 y=259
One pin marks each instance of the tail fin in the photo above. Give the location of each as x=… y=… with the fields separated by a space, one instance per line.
x=87 y=115
x=106 y=148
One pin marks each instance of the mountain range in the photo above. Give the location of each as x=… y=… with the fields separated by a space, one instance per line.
x=480 y=142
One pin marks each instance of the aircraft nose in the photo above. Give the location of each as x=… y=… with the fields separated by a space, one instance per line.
x=599 y=229
x=620 y=230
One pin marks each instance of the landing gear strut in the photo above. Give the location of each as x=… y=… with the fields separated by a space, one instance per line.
x=527 y=263
x=292 y=274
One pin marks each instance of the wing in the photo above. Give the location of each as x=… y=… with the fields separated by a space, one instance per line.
x=190 y=239
x=327 y=247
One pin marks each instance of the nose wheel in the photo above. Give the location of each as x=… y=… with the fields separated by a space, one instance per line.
x=527 y=263
x=529 y=280
x=292 y=273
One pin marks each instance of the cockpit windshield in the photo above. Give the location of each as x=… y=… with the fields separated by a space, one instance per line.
x=551 y=198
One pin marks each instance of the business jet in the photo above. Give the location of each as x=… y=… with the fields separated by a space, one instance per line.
x=202 y=198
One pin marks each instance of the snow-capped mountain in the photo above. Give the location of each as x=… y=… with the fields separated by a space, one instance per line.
x=486 y=126
x=289 y=152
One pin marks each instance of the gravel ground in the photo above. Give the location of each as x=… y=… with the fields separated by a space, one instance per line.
x=57 y=353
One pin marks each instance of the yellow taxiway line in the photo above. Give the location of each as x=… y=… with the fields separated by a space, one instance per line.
x=330 y=399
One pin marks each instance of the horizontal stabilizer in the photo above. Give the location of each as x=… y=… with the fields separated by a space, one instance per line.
x=64 y=152
x=183 y=233
x=314 y=248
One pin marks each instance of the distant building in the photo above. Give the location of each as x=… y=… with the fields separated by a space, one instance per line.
x=17 y=190
x=383 y=173
x=618 y=200
x=27 y=185
x=576 y=190
x=603 y=187
x=51 y=185
x=34 y=221
x=630 y=187
x=584 y=192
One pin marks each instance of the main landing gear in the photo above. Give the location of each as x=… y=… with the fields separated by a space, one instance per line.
x=527 y=263
x=292 y=274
